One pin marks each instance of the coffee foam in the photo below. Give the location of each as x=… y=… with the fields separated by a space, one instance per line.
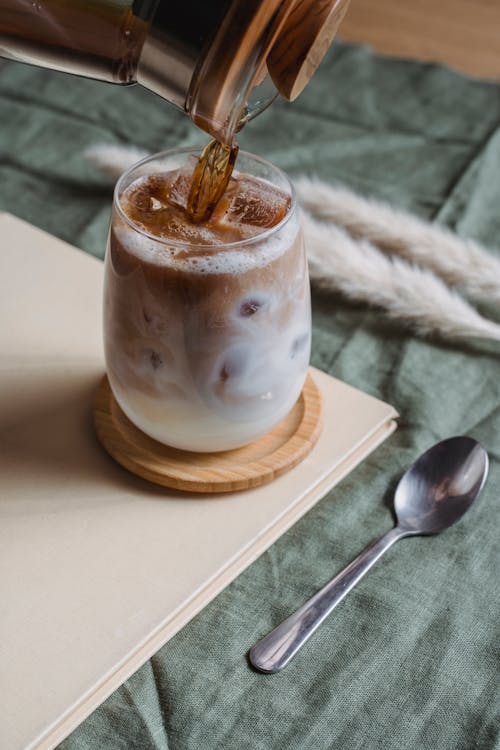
x=211 y=257
x=222 y=260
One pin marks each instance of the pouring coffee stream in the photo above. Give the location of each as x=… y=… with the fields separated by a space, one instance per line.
x=210 y=179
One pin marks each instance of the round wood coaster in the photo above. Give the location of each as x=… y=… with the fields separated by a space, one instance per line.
x=226 y=471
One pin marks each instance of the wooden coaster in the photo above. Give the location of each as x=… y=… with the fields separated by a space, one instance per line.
x=257 y=463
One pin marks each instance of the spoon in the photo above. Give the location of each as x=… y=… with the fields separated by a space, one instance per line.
x=432 y=495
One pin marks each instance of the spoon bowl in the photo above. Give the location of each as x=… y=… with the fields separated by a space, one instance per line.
x=441 y=486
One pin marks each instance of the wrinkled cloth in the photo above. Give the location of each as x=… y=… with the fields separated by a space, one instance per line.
x=410 y=659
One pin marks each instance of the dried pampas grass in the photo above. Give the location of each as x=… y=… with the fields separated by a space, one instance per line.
x=342 y=232
x=113 y=160
x=461 y=263
x=412 y=295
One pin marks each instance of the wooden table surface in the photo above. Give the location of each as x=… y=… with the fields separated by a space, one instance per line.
x=465 y=34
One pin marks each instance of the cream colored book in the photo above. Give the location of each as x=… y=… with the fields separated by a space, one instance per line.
x=98 y=569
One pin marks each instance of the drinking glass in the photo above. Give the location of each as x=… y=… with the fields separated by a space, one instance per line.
x=207 y=345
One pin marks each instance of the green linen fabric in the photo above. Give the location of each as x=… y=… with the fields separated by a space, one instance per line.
x=410 y=659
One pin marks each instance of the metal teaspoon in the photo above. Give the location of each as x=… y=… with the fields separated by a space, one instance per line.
x=432 y=495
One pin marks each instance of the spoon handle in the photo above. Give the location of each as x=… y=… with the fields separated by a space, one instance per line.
x=277 y=648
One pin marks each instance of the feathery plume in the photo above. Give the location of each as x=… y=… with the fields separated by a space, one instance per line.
x=359 y=271
x=461 y=263
x=112 y=160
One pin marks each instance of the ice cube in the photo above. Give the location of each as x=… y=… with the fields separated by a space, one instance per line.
x=254 y=205
x=251 y=305
x=176 y=228
x=180 y=185
x=147 y=195
x=156 y=192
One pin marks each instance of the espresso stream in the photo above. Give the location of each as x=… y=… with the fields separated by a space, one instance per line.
x=210 y=179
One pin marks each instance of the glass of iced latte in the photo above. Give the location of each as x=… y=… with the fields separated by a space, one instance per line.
x=207 y=325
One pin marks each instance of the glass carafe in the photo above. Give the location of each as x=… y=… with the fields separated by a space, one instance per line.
x=220 y=61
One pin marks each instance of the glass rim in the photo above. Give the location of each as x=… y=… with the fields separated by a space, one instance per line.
x=208 y=247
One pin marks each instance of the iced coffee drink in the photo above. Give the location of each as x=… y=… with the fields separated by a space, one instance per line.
x=207 y=324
